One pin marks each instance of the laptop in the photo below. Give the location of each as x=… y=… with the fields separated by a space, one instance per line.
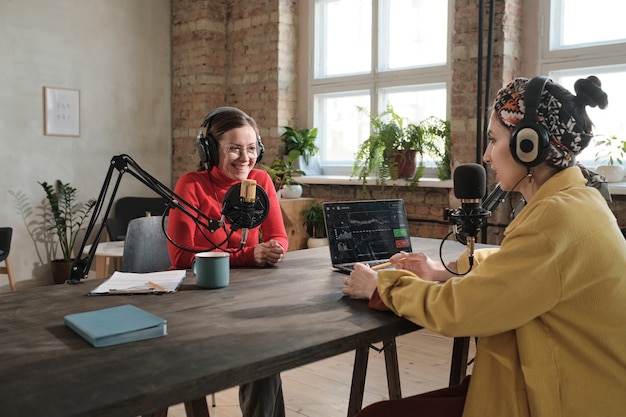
x=365 y=231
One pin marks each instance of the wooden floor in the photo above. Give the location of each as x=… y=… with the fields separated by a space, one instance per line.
x=322 y=389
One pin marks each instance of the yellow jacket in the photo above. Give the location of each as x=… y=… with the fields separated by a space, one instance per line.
x=549 y=307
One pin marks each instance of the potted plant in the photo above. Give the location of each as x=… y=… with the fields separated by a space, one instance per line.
x=68 y=215
x=394 y=147
x=281 y=173
x=610 y=153
x=300 y=147
x=314 y=221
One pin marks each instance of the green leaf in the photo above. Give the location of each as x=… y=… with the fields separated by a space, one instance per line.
x=68 y=214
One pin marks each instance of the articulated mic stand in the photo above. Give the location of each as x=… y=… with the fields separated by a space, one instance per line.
x=244 y=207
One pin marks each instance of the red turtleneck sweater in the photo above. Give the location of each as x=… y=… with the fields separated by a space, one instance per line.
x=206 y=192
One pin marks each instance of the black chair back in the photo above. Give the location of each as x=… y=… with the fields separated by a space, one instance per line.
x=129 y=208
x=6 y=233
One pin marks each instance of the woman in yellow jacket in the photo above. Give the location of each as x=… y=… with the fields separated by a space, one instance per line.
x=548 y=306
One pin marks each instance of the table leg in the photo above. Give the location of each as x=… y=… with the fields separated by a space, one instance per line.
x=197 y=408
x=107 y=266
x=393 y=371
x=358 y=381
x=118 y=264
x=101 y=266
x=458 y=368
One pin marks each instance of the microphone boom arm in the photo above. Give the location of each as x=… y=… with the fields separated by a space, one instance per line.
x=493 y=200
x=125 y=164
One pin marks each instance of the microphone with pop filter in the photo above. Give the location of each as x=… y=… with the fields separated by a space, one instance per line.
x=246 y=205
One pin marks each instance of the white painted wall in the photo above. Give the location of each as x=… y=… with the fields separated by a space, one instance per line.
x=117 y=53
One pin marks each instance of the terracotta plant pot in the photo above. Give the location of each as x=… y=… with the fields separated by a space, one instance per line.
x=406 y=164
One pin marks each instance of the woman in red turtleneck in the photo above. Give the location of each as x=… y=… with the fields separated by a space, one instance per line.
x=230 y=161
x=228 y=152
x=197 y=188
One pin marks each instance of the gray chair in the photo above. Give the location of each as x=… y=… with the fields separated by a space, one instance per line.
x=6 y=233
x=145 y=248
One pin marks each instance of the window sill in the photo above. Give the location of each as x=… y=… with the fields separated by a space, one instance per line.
x=616 y=188
x=346 y=180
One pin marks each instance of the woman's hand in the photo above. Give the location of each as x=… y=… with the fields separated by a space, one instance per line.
x=361 y=283
x=422 y=266
x=268 y=253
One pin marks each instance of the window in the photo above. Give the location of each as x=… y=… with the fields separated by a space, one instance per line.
x=578 y=23
x=585 y=40
x=365 y=57
x=607 y=122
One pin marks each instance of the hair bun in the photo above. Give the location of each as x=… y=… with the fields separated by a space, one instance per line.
x=589 y=92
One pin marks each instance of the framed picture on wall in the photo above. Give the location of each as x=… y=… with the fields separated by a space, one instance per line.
x=61 y=111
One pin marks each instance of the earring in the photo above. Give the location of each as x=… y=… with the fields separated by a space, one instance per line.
x=529 y=175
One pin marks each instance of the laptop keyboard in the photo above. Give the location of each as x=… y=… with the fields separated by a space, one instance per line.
x=350 y=267
x=374 y=263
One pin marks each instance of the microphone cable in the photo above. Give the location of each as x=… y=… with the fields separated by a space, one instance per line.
x=471 y=258
x=203 y=232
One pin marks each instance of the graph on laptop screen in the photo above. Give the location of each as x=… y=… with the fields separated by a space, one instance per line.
x=366 y=230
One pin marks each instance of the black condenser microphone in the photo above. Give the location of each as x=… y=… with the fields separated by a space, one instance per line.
x=470 y=183
x=246 y=205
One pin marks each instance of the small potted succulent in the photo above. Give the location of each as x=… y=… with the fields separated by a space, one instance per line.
x=281 y=173
x=315 y=227
x=300 y=148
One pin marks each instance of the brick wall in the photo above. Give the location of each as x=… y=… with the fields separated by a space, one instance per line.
x=243 y=53
x=424 y=205
x=198 y=74
x=231 y=53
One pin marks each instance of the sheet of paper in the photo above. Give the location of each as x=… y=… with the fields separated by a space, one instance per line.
x=150 y=282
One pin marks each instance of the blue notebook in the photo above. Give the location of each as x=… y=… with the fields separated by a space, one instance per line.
x=116 y=325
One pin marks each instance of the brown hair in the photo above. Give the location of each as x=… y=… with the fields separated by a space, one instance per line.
x=224 y=120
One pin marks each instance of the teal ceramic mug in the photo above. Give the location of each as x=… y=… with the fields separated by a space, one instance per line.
x=212 y=269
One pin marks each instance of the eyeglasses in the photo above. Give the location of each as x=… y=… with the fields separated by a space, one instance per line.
x=237 y=150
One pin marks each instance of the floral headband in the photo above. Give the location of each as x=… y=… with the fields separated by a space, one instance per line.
x=566 y=139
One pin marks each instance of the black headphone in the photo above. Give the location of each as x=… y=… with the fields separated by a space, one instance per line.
x=530 y=140
x=207 y=144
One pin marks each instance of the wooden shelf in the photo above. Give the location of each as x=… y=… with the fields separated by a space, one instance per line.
x=294 y=223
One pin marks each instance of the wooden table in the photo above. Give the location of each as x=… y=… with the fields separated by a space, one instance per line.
x=266 y=321
x=104 y=253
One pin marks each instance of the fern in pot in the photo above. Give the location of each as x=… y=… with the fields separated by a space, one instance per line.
x=396 y=148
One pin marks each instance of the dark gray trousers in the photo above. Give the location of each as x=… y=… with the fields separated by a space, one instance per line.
x=262 y=398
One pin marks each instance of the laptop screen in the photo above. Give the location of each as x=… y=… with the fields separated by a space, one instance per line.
x=366 y=230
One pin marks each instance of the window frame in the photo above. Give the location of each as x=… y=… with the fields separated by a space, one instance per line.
x=374 y=81
x=606 y=55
